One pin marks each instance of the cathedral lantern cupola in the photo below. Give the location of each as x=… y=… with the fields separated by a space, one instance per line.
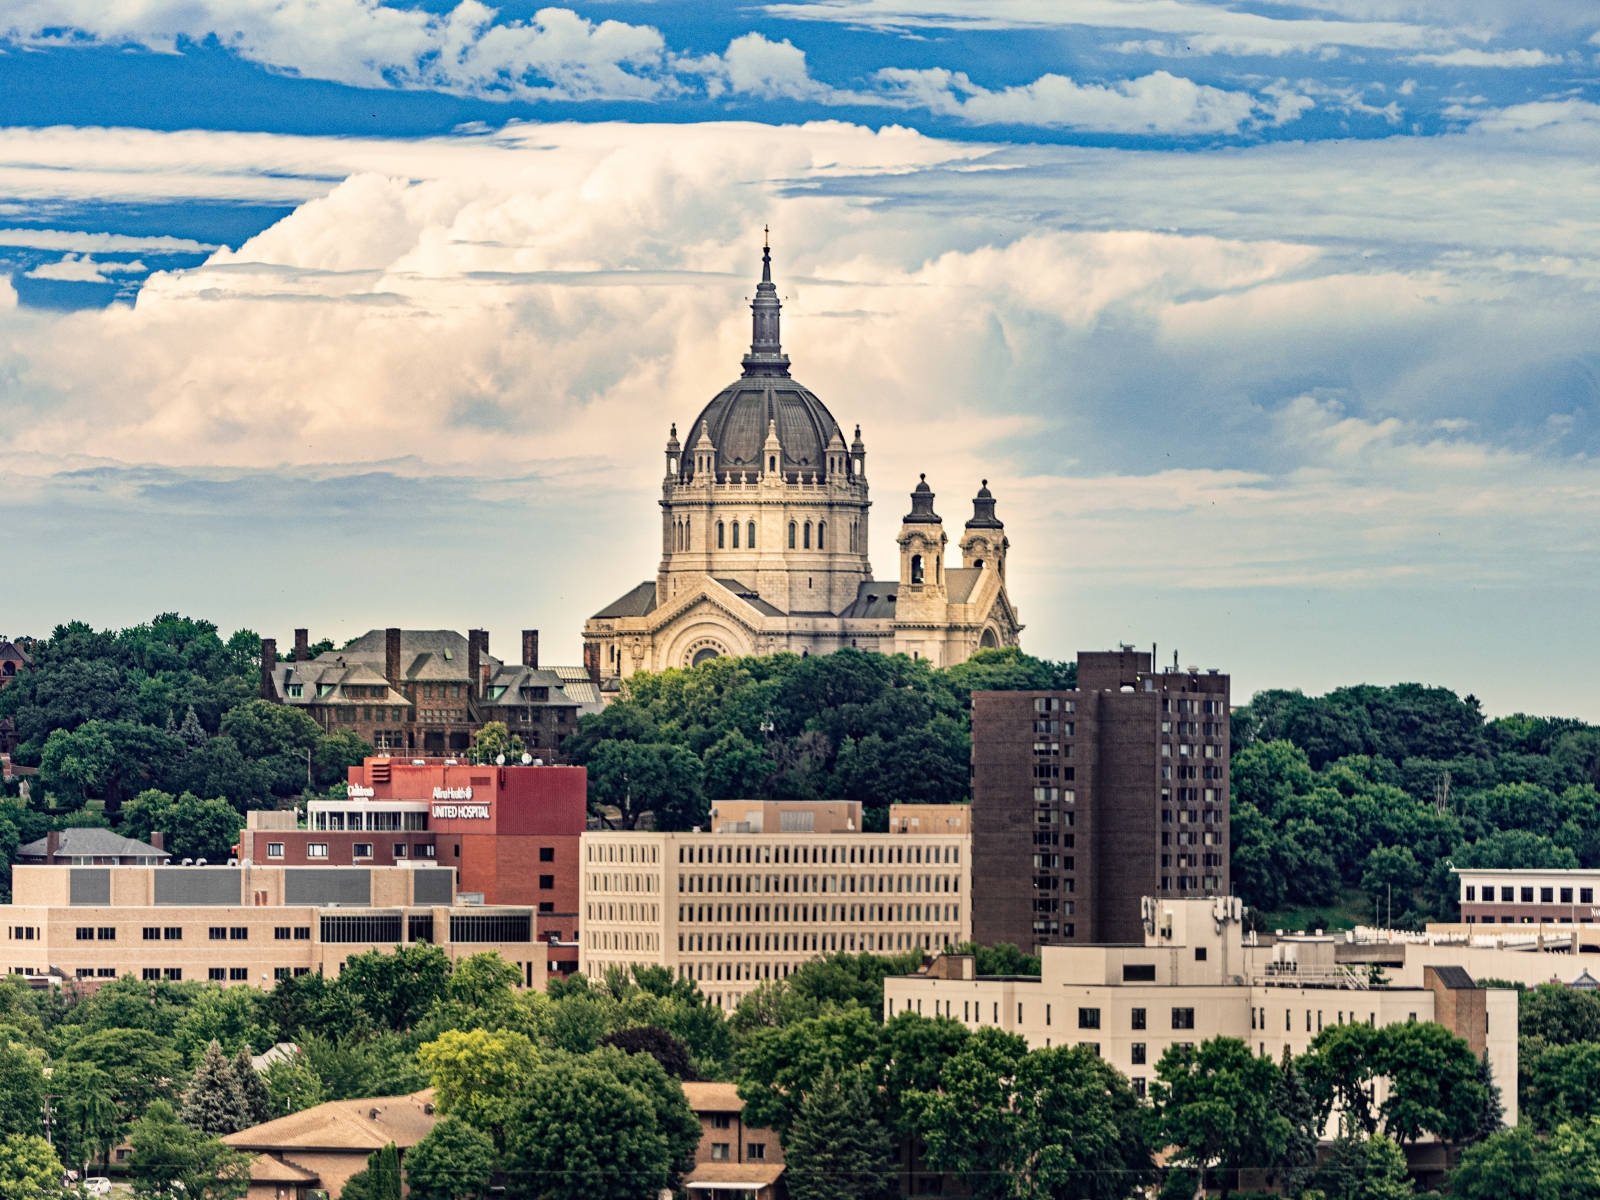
x=858 y=456
x=836 y=456
x=674 y=451
x=983 y=542
x=704 y=455
x=922 y=543
x=766 y=355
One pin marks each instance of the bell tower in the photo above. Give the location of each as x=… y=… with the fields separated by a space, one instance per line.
x=983 y=542
x=922 y=596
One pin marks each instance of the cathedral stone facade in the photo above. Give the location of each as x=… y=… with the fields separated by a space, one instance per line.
x=764 y=542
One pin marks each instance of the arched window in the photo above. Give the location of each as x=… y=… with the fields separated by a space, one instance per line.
x=938 y=570
x=719 y=535
x=916 y=568
x=822 y=529
x=808 y=535
x=750 y=535
x=772 y=462
x=791 y=535
x=736 y=535
x=687 y=537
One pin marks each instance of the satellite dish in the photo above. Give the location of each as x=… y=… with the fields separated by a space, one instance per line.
x=499 y=760
x=526 y=759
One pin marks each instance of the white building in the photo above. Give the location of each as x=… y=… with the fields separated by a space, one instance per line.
x=1194 y=977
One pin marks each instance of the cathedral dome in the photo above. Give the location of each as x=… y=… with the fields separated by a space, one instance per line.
x=764 y=398
x=738 y=418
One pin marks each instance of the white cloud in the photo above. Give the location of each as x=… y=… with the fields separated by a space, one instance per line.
x=754 y=66
x=1488 y=58
x=1202 y=28
x=1564 y=116
x=555 y=54
x=81 y=268
x=87 y=242
x=1154 y=103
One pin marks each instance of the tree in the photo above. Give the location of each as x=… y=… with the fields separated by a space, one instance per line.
x=777 y=1066
x=292 y=1087
x=478 y=1076
x=1290 y=1100
x=637 y=778
x=837 y=1149
x=214 y=1102
x=454 y=1162
x=1433 y=1083
x=29 y=1168
x=395 y=988
x=1559 y=1083
x=140 y=1064
x=252 y=1088
x=21 y=1089
x=667 y=1050
x=1214 y=1102
x=87 y=1111
x=1339 y=1071
x=194 y=828
x=1558 y=1015
x=1491 y=1114
x=1364 y=1169
x=334 y=754
x=493 y=740
x=1023 y=1125
x=168 y=1156
x=579 y=1132
x=674 y=1119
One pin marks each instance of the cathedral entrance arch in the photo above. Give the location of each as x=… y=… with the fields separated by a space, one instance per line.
x=988 y=641
x=705 y=654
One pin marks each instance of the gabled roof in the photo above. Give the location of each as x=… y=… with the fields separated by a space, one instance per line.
x=266 y=1169
x=874 y=600
x=635 y=603
x=355 y=1125
x=10 y=649
x=96 y=843
x=713 y=1097
x=959 y=583
x=751 y=597
x=1453 y=978
x=716 y=1175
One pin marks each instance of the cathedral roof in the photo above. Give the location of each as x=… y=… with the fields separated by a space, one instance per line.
x=765 y=399
x=636 y=602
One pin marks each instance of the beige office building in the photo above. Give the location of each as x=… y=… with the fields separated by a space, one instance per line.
x=734 y=909
x=1195 y=977
x=245 y=923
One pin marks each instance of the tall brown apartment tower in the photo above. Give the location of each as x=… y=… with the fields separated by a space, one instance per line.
x=1085 y=801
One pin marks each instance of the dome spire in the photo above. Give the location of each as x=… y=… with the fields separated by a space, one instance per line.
x=766 y=355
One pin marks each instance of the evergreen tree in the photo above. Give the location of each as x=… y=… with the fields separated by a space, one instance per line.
x=1492 y=1116
x=1298 y=1158
x=191 y=731
x=385 y=1170
x=252 y=1088
x=214 y=1103
x=837 y=1149
x=1364 y=1169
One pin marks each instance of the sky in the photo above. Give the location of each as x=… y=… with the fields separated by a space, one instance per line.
x=1272 y=326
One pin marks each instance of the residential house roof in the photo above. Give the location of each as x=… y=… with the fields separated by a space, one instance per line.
x=95 y=843
x=355 y=1125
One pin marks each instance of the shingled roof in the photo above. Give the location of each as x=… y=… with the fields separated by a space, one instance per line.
x=92 y=843
x=357 y=1125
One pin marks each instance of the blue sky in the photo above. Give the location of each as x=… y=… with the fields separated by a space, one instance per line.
x=1273 y=326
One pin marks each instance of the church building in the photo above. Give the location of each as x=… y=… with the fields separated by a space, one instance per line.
x=764 y=542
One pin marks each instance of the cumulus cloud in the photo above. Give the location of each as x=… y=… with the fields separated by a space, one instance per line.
x=1154 y=103
x=81 y=268
x=465 y=49
x=755 y=66
x=1303 y=357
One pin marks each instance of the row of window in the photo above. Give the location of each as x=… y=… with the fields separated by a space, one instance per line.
x=1547 y=895
x=767 y=914
x=900 y=855
x=775 y=884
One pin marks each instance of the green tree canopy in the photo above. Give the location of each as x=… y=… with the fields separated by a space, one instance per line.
x=454 y=1162
x=1214 y=1102
x=837 y=1148
x=29 y=1168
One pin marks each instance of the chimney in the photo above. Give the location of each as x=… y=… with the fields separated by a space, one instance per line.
x=269 y=663
x=591 y=661
x=52 y=844
x=473 y=643
x=530 y=649
x=391 y=657
x=158 y=840
x=483 y=641
x=302 y=645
